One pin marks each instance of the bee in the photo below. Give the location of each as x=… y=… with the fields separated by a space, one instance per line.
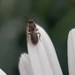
x=32 y=31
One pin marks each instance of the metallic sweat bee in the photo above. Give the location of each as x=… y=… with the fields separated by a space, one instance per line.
x=32 y=31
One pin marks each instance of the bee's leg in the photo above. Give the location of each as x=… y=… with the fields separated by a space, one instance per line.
x=36 y=29
x=28 y=36
x=39 y=36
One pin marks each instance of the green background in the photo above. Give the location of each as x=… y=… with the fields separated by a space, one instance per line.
x=57 y=17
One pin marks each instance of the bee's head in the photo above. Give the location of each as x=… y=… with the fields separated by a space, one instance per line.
x=30 y=21
x=31 y=24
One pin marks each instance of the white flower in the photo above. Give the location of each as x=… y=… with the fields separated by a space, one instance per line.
x=24 y=65
x=71 y=52
x=42 y=58
x=2 y=72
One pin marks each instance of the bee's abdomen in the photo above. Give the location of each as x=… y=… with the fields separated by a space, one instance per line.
x=34 y=38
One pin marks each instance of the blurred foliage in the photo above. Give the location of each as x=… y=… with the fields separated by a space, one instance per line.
x=57 y=17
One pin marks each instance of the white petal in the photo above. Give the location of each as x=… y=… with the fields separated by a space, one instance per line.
x=39 y=59
x=2 y=72
x=43 y=56
x=24 y=65
x=71 y=52
x=50 y=50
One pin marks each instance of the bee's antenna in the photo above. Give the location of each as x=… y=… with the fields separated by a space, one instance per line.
x=25 y=17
